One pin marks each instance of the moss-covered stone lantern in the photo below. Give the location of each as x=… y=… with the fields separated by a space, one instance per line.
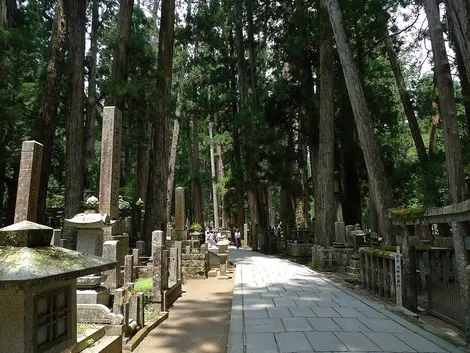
x=38 y=289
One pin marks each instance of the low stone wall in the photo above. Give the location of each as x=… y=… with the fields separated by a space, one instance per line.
x=299 y=250
x=195 y=265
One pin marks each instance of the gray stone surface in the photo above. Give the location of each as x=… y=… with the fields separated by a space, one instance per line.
x=128 y=269
x=110 y=162
x=290 y=308
x=180 y=217
x=28 y=182
x=111 y=252
x=293 y=342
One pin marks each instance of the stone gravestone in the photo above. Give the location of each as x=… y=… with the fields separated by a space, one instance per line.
x=173 y=266
x=110 y=166
x=158 y=241
x=180 y=217
x=111 y=252
x=340 y=234
x=28 y=182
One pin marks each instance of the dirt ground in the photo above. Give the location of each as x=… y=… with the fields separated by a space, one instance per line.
x=198 y=322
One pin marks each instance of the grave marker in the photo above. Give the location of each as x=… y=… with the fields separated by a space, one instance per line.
x=28 y=182
x=110 y=162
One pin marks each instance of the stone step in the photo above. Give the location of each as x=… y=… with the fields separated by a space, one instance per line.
x=106 y=344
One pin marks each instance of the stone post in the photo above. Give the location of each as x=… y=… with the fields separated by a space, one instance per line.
x=157 y=256
x=179 y=245
x=111 y=252
x=245 y=236
x=128 y=269
x=136 y=255
x=223 y=266
x=110 y=162
x=158 y=238
x=140 y=245
x=28 y=182
x=173 y=265
x=180 y=217
x=340 y=234
x=165 y=260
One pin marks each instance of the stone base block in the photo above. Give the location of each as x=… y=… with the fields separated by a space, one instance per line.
x=180 y=235
x=97 y=314
x=93 y=296
x=212 y=273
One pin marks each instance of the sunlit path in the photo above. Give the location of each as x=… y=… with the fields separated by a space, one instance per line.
x=280 y=306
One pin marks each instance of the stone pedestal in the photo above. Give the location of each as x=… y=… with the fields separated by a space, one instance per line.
x=223 y=266
x=245 y=236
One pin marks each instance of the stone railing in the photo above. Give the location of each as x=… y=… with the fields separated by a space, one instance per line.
x=378 y=272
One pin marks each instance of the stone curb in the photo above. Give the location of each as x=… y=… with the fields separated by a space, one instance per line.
x=142 y=333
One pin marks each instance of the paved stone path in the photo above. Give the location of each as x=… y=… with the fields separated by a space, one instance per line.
x=282 y=307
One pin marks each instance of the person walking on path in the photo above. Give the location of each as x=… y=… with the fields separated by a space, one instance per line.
x=238 y=238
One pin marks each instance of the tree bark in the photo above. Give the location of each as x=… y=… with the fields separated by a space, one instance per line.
x=213 y=175
x=375 y=168
x=7 y=12
x=121 y=53
x=459 y=13
x=89 y=133
x=242 y=91
x=407 y=104
x=464 y=82
x=196 y=177
x=49 y=100
x=156 y=203
x=220 y=178
x=453 y=148
x=75 y=18
x=324 y=189
x=172 y=162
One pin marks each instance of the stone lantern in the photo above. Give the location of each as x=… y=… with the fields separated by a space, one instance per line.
x=38 y=289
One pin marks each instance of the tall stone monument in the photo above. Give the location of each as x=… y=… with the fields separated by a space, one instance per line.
x=110 y=166
x=180 y=229
x=28 y=182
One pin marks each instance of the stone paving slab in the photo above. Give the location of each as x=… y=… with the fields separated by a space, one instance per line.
x=283 y=307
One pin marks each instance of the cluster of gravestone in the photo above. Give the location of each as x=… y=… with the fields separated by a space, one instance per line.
x=51 y=289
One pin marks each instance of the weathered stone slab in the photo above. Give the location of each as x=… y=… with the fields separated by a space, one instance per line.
x=55 y=241
x=28 y=182
x=136 y=255
x=128 y=269
x=111 y=252
x=180 y=217
x=110 y=161
x=173 y=265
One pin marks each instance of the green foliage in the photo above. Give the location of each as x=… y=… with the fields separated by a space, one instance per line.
x=144 y=285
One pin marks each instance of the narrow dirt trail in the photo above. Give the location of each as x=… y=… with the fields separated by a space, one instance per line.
x=199 y=321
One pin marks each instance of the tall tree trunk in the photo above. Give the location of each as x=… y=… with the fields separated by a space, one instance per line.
x=436 y=117
x=121 y=53
x=220 y=178
x=89 y=133
x=155 y=205
x=75 y=18
x=172 y=162
x=464 y=82
x=324 y=189
x=453 y=149
x=252 y=51
x=196 y=179
x=143 y=156
x=242 y=91
x=7 y=12
x=214 y=182
x=407 y=104
x=459 y=13
x=49 y=100
x=375 y=168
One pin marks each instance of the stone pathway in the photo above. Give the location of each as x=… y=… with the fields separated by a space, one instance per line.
x=282 y=307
